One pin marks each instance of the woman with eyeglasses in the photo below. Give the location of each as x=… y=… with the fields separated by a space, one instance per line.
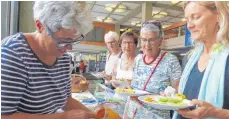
x=154 y=70
x=123 y=70
x=35 y=81
x=111 y=40
x=207 y=70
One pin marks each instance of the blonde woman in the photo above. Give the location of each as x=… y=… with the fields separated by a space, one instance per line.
x=207 y=70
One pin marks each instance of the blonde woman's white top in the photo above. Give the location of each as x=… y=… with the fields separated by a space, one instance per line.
x=123 y=74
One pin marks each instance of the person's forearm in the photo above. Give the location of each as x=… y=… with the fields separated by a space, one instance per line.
x=33 y=116
x=74 y=104
x=220 y=113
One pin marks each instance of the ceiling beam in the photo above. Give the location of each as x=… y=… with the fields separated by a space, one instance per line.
x=93 y=4
x=112 y=11
x=132 y=14
x=106 y=13
x=135 y=16
x=154 y=4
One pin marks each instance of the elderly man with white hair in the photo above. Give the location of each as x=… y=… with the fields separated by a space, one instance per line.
x=35 y=81
x=111 y=40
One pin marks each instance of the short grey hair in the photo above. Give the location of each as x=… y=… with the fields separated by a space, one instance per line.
x=64 y=14
x=111 y=34
x=152 y=28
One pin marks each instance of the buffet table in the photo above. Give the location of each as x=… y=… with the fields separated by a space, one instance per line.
x=98 y=94
x=86 y=98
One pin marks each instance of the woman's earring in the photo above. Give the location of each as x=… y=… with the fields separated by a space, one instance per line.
x=39 y=26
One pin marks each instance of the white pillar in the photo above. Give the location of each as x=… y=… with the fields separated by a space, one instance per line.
x=117 y=28
x=147 y=11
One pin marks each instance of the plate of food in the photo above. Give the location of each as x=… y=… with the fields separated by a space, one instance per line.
x=166 y=102
x=130 y=92
x=119 y=83
x=170 y=100
x=99 y=74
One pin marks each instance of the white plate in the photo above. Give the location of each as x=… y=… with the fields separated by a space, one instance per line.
x=98 y=75
x=119 y=82
x=136 y=93
x=164 y=106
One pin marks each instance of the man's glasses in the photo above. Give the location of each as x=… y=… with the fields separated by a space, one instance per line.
x=63 y=42
x=151 y=40
x=156 y=23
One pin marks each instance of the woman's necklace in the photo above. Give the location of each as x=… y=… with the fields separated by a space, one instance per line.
x=144 y=59
x=126 y=64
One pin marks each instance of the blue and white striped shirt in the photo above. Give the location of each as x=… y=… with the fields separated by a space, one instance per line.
x=27 y=84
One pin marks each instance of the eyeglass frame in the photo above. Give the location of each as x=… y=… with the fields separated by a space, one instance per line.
x=147 y=40
x=129 y=42
x=111 y=42
x=156 y=23
x=62 y=43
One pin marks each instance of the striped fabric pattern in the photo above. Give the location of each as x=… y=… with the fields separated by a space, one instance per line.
x=27 y=84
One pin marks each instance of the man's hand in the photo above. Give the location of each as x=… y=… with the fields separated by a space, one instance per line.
x=203 y=110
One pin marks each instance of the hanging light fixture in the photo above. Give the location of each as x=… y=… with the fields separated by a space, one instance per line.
x=108 y=19
x=133 y=23
x=161 y=14
x=121 y=8
x=122 y=29
x=174 y=2
x=101 y=19
x=136 y=23
x=157 y=16
x=139 y=25
x=129 y=30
